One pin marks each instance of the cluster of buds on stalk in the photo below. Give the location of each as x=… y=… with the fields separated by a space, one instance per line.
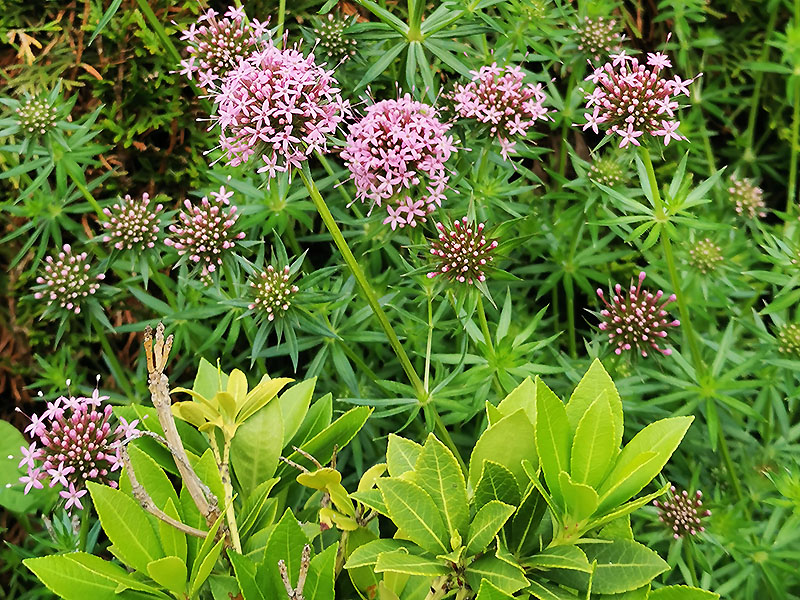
x=705 y=256
x=132 y=224
x=36 y=116
x=597 y=37
x=273 y=290
x=331 y=39
x=683 y=513
x=748 y=198
x=461 y=253
x=789 y=339
x=67 y=280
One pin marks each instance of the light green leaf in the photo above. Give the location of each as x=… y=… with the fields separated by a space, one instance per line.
x=438 y=473
x=78 y=576
x=553 y=438
x=523 y=396
x=545 y=591
x=414 y=512
x=507 y=442
x=209 y=379
x=502 y=575
x=152 y=478
x=661 y=438
x=580 y=500
x=206 y=565
x=286 y=542
x=173 y=541
x=681 y=592
x=12 y=497
x=367 y=554
x=401 y=455
x=622 y=565
x=593 y=447
x=400 y=561
x=237 y=387
x=127 y=527
x=521 y=534
x=245 y=570
x=260 y=396
x=487 y=523
x=294 y=404
x=489 y=591
x=321 y=575
x=560 y=557
x=257 y=447
x=496 y=483
x=169 y=572
x=595 y=382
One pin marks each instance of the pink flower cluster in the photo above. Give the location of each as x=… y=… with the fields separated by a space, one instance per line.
x=396 y=155
x=66 y=280
x=132 y=224
x=747 y=197
x=683 y=513
x=273 y=291
x=462 y=253
x=217 y=45
x=74 y=442
x=498 y=98
x=631 y=99
x=636 y=320
x=204 y=231
x=280 y=105
x=597 y=37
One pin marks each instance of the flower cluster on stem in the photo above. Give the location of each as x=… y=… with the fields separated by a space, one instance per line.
x=789 y=339
x=272 y=290
x=277 y=104
x=396 y=155
x=747 y=198
x=634 y=318
x=461 y=253
x=705 y=256
x=73 y=442
x=204 y=231
x=498 y=98
x=631 y=99
x=216 y=45
x=67 y=280
x=36 y=116
x=682 y=513
x=132 y=224
x=331 y=39
x=597 y=37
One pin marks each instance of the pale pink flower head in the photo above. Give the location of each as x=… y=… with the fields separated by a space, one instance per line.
x=597 y=37
x=279 y=105
x=272 y=291
x=216 y=45
x=67 y=281
x=632 y=99
x=132 y=224
x=682 y=513
x=462 y=253
x=396 y=155
x=204 y=231
x=747 y=197
x=74 y=442
x=634 y=318
x=498 y=98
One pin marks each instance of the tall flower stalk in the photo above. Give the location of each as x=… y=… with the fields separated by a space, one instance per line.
x=372 y=299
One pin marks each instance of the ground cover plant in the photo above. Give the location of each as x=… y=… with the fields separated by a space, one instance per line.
x=474 y=299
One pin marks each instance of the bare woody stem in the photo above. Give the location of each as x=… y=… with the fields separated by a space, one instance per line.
x=146 y=502
x=157 y=352
x=296 y=593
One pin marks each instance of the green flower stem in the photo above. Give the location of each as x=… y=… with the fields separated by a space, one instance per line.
x=86 y=518
x=662 y=217
x=484 y=325
x=428 y=345
x=791 y=191
x=726 y=457
x=160 y=32
x=372 y=299
x=688 y=553
x=281 y=18
x=569 y=292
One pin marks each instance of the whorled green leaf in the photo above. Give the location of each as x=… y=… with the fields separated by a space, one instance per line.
x=438 y=473
x=553 y=439
x=401 y=455
x=681 y=592
x=507 y=442
x=487 y=523
x=496 y=483
x=595 y=382
x=594 y=447
x=400 y=561
x=413 y=512
x=499 y=573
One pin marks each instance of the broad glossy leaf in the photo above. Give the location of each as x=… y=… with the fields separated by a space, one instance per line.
x=660 y=438
x=207 y=563
x=152 y=477
x=521 y=535
x=294 y=404
x=209 y=379
x=169 y=572
x=245 y=570
x=560 y=557
x=256 y=447
x=580 y=500
x=595 y=382
x=367 y=554
x=681 y=592
x=489 y=591
x=414 y=512
x=401 y=455
x=502 y=575
x=523 y=396
x=400 y=561
x=594 y=447
x=285 y=543
x=438 y=473
x=127 y=526
x=622 y=566
x=553 y=438
x=496 y=483
x=317 y=418
x=321 y=575
x=487 y=523
x=173 y=541
x=507 y=442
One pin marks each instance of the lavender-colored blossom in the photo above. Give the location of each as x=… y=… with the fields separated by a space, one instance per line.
x=67 y=280
x=396 y=155
x=498 y=98
x=635 y=319
x=631 y=99
x=204 y=231
x=132 y=224
x=217 y=45
x=74 y=442
x=705 y=256
x=279 y=105
x=272 y=291
x=597 y=37
x=36 y=116
x=682 y=512
x=747 y=197
x=462 y=253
